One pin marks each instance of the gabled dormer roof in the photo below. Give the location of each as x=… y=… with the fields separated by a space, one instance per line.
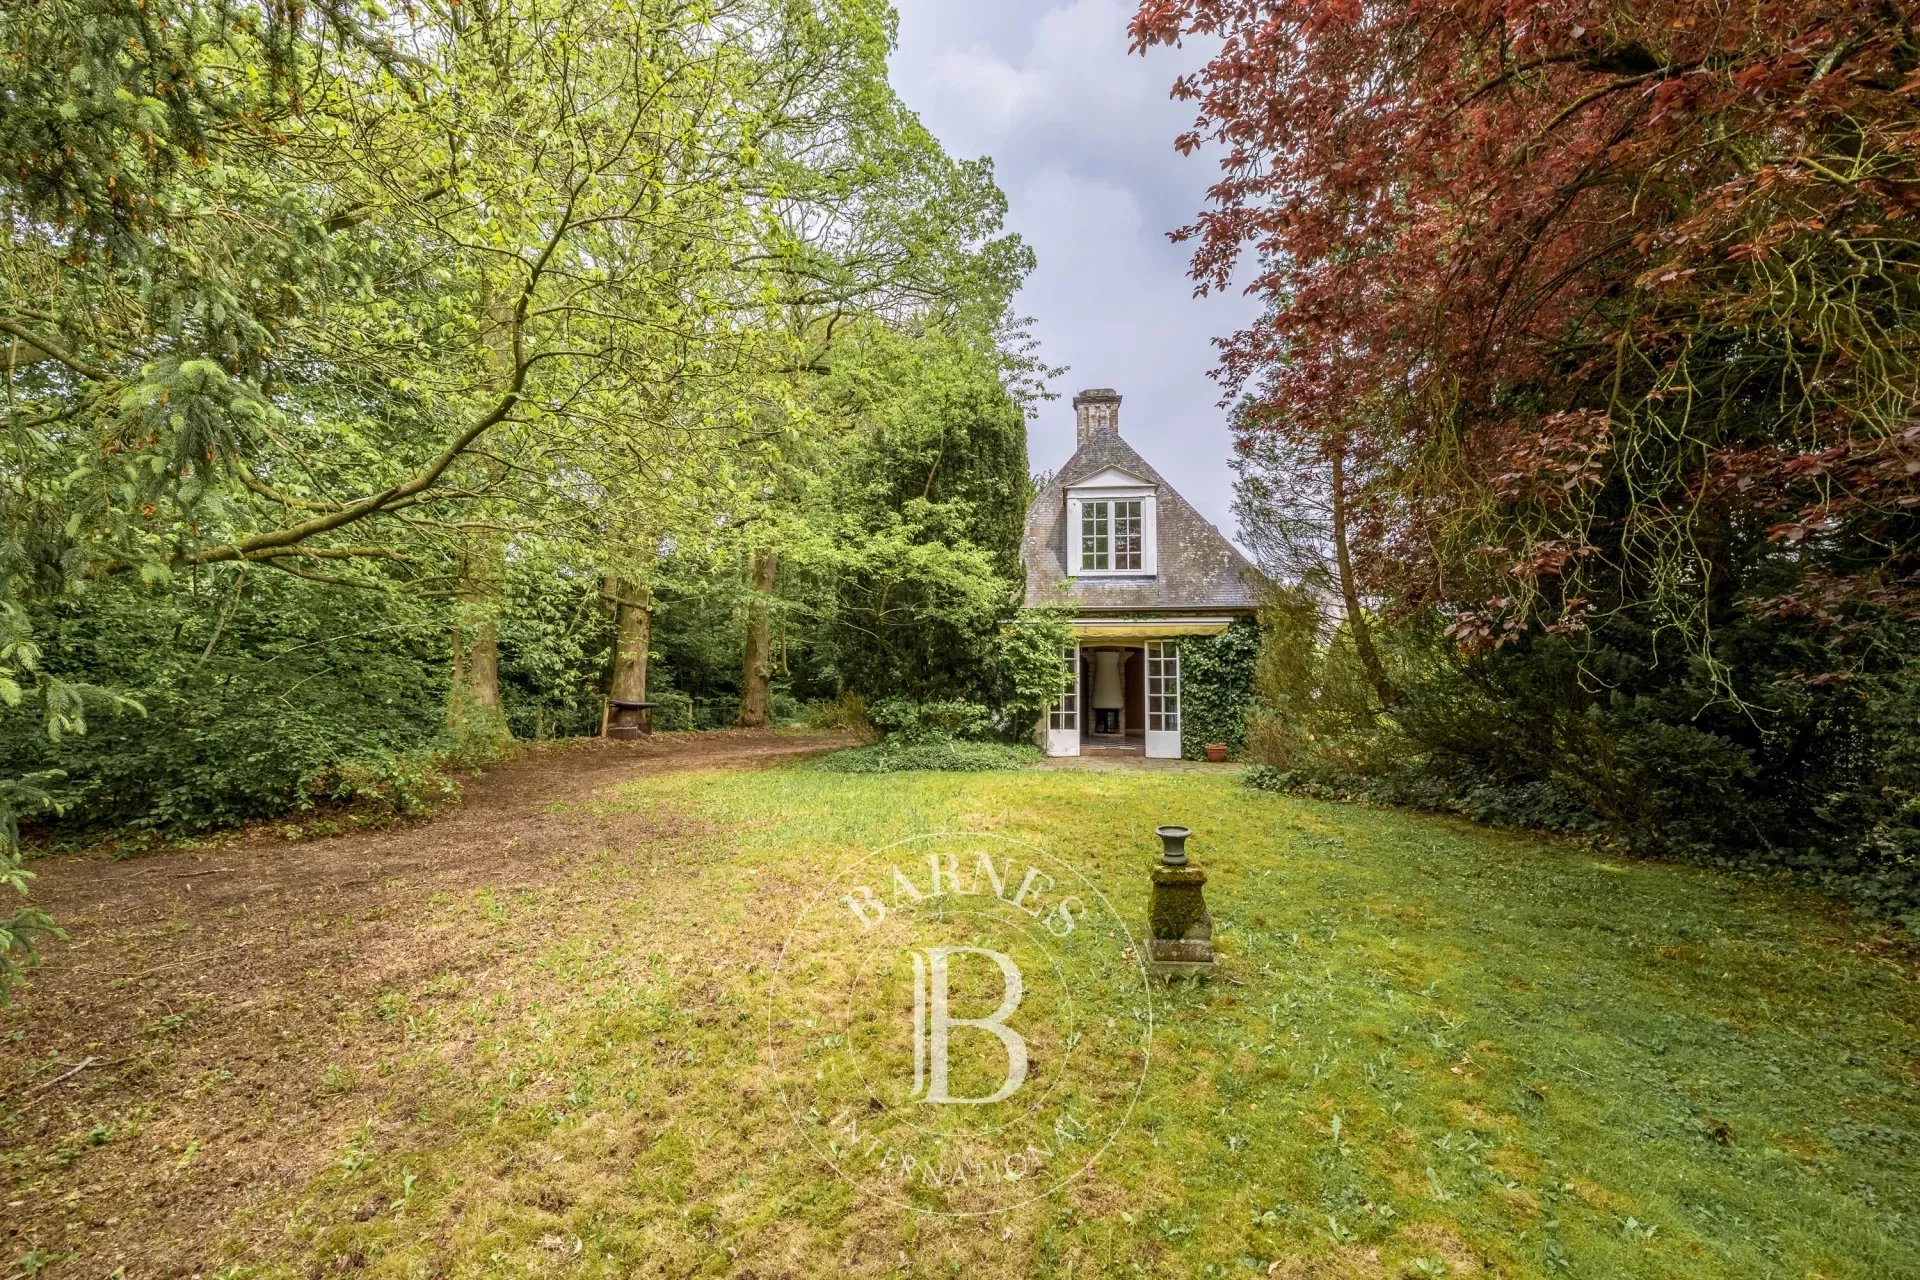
x=1198 y=568
x=1113 y=478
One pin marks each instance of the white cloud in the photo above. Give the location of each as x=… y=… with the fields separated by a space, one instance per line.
x=1082 y=138
x=989 y=92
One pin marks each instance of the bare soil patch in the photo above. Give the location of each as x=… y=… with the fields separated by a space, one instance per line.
x=177 y=1057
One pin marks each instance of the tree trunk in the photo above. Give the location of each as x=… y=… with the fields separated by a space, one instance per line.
x=473 y=699
x=483 y=668
x=474 y=711
x=632 y=635
x=1350 y=591
x=756 y=671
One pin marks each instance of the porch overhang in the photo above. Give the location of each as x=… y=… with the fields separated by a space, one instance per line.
x=1097 y=630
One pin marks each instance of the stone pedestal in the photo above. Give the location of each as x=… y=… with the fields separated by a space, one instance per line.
x=1179 y=930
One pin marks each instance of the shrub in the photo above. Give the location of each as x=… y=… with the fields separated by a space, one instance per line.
x=1266 y=777
x=893 y=755
x=389 y=786
x=673 y=710
x=1538 y=806
x=909 y=721
x=848 y=711
x=239 y=699
x=1028 y=673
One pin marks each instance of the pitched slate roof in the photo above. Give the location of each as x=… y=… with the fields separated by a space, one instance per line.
x=1198 y=567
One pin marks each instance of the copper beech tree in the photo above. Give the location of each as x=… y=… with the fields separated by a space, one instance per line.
x=1615 y=302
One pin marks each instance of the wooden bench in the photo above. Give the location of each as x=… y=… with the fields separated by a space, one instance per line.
x=628 y=720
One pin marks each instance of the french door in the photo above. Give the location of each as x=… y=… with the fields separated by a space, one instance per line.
x=1063 y=721
x=1163 y=700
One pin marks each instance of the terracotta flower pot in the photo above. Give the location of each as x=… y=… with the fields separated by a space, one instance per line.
x=1216 y=752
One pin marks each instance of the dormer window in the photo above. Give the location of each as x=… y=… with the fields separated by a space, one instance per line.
x=1110 y=527
x=1111 y=535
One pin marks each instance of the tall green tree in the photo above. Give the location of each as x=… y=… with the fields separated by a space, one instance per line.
x=397 y=301
x=924 y=513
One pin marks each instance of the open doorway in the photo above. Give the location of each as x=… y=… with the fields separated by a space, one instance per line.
x=1114 y=683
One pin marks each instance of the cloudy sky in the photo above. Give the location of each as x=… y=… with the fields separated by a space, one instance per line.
x=1081 y=136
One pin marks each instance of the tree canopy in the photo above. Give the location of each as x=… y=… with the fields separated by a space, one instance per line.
x=453 y=320
x=1607 y=308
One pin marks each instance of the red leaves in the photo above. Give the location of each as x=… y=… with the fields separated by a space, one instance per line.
x=1558 y=456
x=1477 y=223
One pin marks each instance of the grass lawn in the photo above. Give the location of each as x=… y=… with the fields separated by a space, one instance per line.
x=1438 y=1051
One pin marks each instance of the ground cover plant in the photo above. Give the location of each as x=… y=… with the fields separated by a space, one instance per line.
x=947 y=755
x=528 y=1037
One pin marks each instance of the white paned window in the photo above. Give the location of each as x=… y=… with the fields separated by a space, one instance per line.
x=1163 y=687
x=1112 y=534
x=1066 y=712
x=1096 y=535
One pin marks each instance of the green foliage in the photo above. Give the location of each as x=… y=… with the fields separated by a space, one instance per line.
x=1537 y=806
x=950 y=734
x=1217 y=693
x=1598 y=733
x=921 y=515
x=675 y=710
x=21 y=797
x=1028 y=672
x=394 y=786
x=846 y=712
x=1317 y=715
x=251 y=688
x=903 y=720
x=556 y=637
x=902 y=755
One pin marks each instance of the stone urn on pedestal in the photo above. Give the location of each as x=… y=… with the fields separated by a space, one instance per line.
x=1179 y=928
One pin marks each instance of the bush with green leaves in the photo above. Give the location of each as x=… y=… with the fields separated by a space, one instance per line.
x=1536 y=806
x=556 y=640
x=1028 y=673
x=243 y=692
x=846 y=712
x=904 y=720
x=672 y=712
x=1599 y=732
x=401 y=785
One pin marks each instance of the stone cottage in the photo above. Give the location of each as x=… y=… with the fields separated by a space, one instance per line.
x=1141 y=570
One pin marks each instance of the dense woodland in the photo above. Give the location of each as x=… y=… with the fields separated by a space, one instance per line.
x=1583 y=410
x=382 y=386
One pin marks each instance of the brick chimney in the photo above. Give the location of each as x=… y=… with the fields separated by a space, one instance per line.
x=1095 y=409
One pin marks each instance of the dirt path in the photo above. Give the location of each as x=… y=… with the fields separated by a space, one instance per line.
x=168 y=1063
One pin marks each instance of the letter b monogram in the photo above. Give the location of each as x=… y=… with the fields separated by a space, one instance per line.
x=932 y=1022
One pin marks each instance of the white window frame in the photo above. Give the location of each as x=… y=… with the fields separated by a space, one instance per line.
x=1149 y=531
x=1063 y=719
x=1163 y=699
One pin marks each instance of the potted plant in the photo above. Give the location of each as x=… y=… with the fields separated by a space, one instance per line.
x=1216 y=752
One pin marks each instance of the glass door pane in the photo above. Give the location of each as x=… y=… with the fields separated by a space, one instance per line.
x=1163 y=700
x=1063 y=720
